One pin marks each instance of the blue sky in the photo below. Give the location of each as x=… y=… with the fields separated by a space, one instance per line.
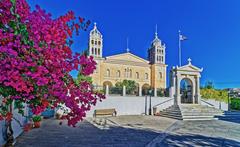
x=212 y=28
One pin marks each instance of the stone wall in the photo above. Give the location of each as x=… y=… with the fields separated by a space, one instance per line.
x=16 y=127
x=133 y=105
x=217 y=104
x=128 y=105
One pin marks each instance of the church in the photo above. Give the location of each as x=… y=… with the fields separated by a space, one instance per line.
x=150 y=73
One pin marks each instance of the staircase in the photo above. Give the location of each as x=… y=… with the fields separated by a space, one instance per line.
x=190 y=112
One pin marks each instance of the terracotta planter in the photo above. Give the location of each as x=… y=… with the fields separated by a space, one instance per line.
x=37 y=124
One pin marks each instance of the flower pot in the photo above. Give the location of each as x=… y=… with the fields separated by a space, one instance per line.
x=37 y=124
x=27 y=127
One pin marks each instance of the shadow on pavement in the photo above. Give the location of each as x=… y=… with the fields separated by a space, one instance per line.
x=51 y=134
x=192 y=140
x=231 y=116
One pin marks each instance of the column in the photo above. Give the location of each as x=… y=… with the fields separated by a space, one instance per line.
x=198 y=96
x=178 y=96
x=155 y=92
x=194 y=88
x=140 y=91
x=107 y=90
x=124 y=90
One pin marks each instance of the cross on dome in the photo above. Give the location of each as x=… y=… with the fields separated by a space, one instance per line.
x=189 y=61
x=95 y=25
x=156 y=34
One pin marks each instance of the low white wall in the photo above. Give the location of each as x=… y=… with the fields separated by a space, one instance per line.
x=127 y=105
x=133 y=105
x=17 y=129
x=217 y=104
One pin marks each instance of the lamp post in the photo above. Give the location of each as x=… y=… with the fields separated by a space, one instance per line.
x=150 y=102
x=228 y=101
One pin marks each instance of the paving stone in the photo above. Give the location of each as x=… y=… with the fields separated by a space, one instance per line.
x=134 y=131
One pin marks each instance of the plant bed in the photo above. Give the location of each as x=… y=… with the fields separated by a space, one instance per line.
x=37 y=121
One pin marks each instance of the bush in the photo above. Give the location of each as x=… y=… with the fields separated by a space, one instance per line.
x=235 y=103
x=220 y=95
x=36 y=118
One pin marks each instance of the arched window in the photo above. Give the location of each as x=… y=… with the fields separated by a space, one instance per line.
x=137 y=75
x=92 y=50
x=108 y=72
x=92 y=42
x=95 y=51
x=99 y=42
x=146 y=76
x=95 y=42
x=160 y=75
x=99 y=51
x=118 y=74
x=125 y=73
x=130 y=73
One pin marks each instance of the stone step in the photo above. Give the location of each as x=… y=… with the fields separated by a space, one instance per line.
x=203 y=118
x=191 y=112
x=166 y=113
x=169 y=111
x=171 y=116
x=198 y=114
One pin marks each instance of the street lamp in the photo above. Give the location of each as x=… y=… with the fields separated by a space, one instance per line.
x=150 y=101
x=228 y=100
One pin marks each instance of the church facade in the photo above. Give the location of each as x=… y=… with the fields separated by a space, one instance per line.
x=147 y=74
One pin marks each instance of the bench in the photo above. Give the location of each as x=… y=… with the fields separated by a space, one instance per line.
x=111 y=112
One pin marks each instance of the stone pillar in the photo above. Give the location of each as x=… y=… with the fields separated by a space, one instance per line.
x=193 y=90
x=124 y=90
x=176 y=92
x=198 y=96
x=107 y=90
x=178 y=95
x=140 y=90
x=155 y=92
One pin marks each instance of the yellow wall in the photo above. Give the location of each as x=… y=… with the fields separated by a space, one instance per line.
x=142 y=67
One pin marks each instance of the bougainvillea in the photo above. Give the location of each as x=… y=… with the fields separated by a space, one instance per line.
x=36 y=59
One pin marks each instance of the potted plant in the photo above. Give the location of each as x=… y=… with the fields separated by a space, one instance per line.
x=37 y=119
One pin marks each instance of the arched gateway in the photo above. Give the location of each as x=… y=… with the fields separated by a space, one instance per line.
x=185 y=84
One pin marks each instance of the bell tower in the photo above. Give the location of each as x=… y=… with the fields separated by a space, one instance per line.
x=95 y=44
x=156 y=57
x=156 y=52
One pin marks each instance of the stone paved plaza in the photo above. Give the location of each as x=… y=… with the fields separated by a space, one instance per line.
x=133 y=131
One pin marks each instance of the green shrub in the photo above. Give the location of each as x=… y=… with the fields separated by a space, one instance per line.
x=36 y=118
x=235 y=103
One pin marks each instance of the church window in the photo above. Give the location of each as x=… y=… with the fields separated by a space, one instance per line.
x=160 y=75
x=118 y=74
x=130 y=73
x=125 y=73
x=108 y=72
x=95 y=51
x=137 y=75
x=99 y=51
x=146 y=76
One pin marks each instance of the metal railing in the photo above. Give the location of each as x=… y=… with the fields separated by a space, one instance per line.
x=207 y=103
x=163 y=102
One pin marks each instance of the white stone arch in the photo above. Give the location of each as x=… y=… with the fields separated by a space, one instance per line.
x=185 y=72
x=190 y=95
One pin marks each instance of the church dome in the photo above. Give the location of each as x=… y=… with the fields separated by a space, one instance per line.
x=95 y=31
